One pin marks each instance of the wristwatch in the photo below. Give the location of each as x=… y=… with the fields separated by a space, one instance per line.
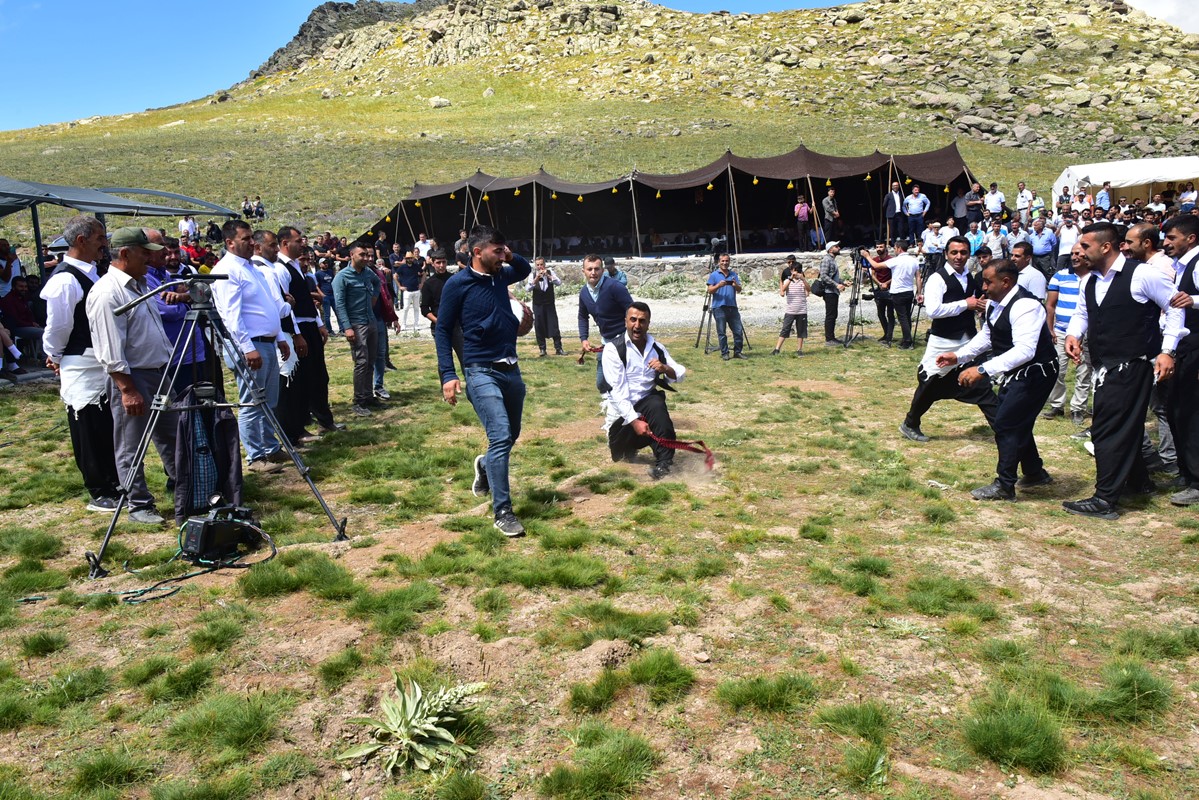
x=981 y=370
x=1170 y=353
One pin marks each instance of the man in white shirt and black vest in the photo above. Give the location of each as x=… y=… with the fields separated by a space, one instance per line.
x=1023 y=363
x=638 y=369
x=950 y=296
x=1182 y=408
x=545 y=312
x=1133 y=334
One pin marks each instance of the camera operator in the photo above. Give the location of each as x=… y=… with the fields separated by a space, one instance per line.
x=881 y=276
x=545 y=313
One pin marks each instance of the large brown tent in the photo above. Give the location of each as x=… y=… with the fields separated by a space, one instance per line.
x=749 y=201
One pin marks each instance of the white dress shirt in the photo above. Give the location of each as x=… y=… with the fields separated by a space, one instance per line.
x=1066 y=237
x=269 y=277
x=934 y=294
x=1027 y=318
x=62 y=293
x=246 y=302
x=632 y=382
x=1148 y=285
x=1034 y=281
x=551 y=277
x=903 y=273
x=283 y=276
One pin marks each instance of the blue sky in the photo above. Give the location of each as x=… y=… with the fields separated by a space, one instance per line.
x=77 y=58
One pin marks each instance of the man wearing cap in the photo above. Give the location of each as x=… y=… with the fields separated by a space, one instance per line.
x=830 y=278
x=408 y=273
x=132 y=348
x=915 y=206
x=252 y=313
x=723 y=285
x=83 y=383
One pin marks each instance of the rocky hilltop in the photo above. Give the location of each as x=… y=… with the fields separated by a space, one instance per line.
x=1078 y=78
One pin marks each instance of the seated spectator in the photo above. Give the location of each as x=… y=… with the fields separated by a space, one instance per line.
x=213 y=234
x=17 y=313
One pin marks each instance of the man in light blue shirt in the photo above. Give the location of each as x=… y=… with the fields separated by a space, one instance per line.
x=915 y=206
x=723 y=285
x=1044 y=247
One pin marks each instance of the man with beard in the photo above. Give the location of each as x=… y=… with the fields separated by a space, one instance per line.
x=545 y=313
x=430 y=298
x=1122 y=303
x=1023 y=364
x=1182 y=242
x=951 y=296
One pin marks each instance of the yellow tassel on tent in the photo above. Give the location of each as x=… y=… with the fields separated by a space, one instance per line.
x=790 y=184
x=580 y=198
x=709 y=187
x=453 y=196
x=946 y=188
x=486 y=197
x=388 y=219
x=614 y=190
x=658 y=196
x=755 y=180
x=869 y=176
x=554 y=196
x=370 y=233
x=516 y=193
x=417 y=204
x=828 y=181
x=907 y=181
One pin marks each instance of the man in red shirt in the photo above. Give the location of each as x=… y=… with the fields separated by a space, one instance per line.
x=17 y=313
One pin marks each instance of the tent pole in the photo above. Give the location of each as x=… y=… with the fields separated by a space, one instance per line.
x=887 y=191
x=408 y=222
x=636 y=224
x=395 y=234
x=37 y=242
x=535 y=242
x=817 y=214
x=736 y=211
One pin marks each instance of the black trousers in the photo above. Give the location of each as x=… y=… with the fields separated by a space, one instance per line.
x=831 y=296
x=886 y=312
x=1117 y=427
x=623 y=441
x=898 y=227
x=903 y=313
x=545 y=325
x=1020 y=402
x=91 y=441
x=946 y=387
x=1182 y=409
x=314 y=377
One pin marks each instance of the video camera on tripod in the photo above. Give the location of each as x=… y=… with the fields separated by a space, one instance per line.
x=218 y=537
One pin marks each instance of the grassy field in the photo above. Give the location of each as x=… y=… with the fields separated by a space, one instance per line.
x=826 y=610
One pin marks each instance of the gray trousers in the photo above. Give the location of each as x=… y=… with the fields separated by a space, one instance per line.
x=363 y=350
x=1082 y=378
x=127 y=434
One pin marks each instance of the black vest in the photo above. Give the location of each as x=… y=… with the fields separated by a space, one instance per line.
x=962 y=324
x=297 y=287
x=543 y=297
x=81 y=335
x=1190 y=342
x=1001 y=334
x=1122 y=329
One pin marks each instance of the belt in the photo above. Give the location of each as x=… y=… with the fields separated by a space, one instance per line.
x=263 y=339
x=502 y=366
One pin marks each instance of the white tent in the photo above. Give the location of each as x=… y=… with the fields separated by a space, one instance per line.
x=1138 y=177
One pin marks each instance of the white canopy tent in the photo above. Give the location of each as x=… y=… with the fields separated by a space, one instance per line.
x=1133 y=178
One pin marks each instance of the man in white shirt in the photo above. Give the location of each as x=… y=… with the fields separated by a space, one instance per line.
x=1022 y=361
x=1182 y=406
x=1030 y=278
x=638 y=368
x=993 y=201
x=1023 y=203
x=996 y=240
x=1067 y=234
x=930 y=248
x=1157 y=205
x=10 y=267
x=1122 y=305
x=132 y=349
x=252 y=314
x=422 y=248
x=67 y=341
x=903 y=286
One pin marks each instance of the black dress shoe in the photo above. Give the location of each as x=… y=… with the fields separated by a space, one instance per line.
x=1141 y=489
x=1044 y=479
x=336 y=426
x=1092 y=507
x=1052 y=412
x=392 y=366
x=993 y=491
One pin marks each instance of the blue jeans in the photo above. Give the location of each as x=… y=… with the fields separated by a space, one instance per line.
x=728 y=317
x=498 y=398
x=327 y=315
x=257 y=435
x=381 y=354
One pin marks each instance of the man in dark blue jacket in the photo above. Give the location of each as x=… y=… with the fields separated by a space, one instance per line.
x=476 y=298
x=607 y=300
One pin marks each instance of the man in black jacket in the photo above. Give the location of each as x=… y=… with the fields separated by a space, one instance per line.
x=430 y=298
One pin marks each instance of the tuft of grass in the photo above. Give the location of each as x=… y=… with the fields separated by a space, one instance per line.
x=238 y=786
x=219 y=634
x=240 y=724
x=268 y=580
x=816 y=529
x=1155 y=645
x=283 y=768
x=710 y=567
x=463 y=786
x=143 y=672
x=14 y=713
x=337 y=670
x=938 y=595
x=783 y=694
x=650 y=496
x=661 y=671
x=180 y=684
x=939 y=513
x=109 y=770
x=1130 y=693
x=325 y=578
x=872 y=565
x=42 y=643
x=606 y=621
x=493 y=601
x=27 y=543
x=593 y=698
x=394 y=611
x=608 y=763
x=572 y=538
x=1014 y=732
x=67 y=688
x=870 y=721
x=564 y=570
x=1003 y=651
x=866 y=765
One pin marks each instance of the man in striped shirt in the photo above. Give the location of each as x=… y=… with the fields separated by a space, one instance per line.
x=1060 y=304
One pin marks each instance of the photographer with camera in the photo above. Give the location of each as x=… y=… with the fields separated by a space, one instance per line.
x=545 y=312
x=833 y=284
x=793 y=287
x=724 y=284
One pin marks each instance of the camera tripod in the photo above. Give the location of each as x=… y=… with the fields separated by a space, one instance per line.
x=852 y=332
x=201 y=319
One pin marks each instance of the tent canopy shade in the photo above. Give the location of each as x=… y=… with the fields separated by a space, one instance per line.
x=1135 y=177
x=18 y=195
